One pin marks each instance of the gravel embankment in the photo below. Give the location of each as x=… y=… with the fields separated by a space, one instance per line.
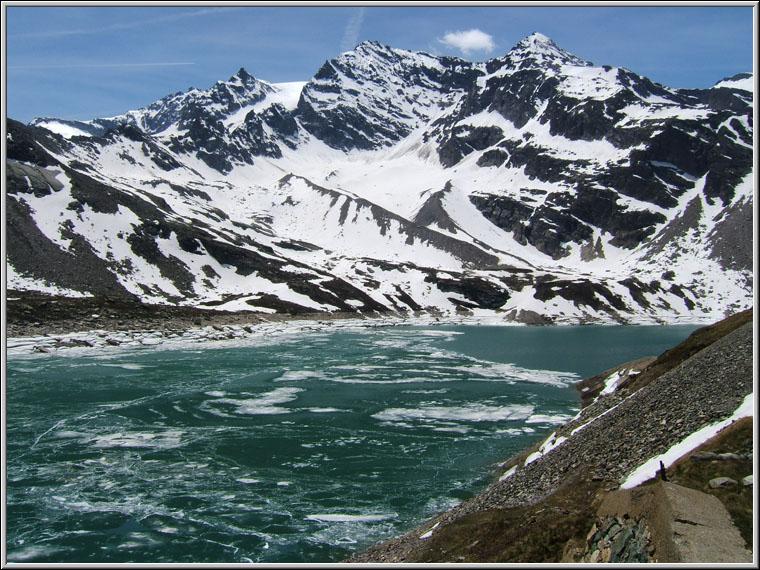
x=704 y=389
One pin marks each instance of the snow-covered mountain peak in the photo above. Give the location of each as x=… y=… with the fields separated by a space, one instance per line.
x=538 y=50
x=243 y=76
x=239 y=90
x=174 y=112
x=371 y=48
x=374 y=95
x=368 y=60
x=371 y=60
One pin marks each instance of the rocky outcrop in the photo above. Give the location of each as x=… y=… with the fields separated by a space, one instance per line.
x=664 y=522
x=617 y=540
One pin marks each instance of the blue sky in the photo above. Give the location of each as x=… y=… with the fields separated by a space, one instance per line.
x=87 y=62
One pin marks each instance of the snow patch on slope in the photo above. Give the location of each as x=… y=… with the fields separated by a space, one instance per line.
x=649 y=469
x=744 y=83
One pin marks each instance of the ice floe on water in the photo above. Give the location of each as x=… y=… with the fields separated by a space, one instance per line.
x=474 y=412
x=297 y=375
x=264 y=404
x=427 y=392
x=385 y=380
x=124 y=366
x=548 y=419
x=247 y=481
x=161 y=440
x=32 y=552
x=481 y=370
x=459 y=418
x=341 y=517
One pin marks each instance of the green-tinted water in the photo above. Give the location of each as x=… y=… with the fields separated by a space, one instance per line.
x=303 y=448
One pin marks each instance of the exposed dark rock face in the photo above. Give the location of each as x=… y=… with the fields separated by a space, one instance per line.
x=78 y=269
x=24 y=144
x=731 y=234
x=434 y=212
x=25 y=179
x=560 y=220
x=464 y=141
x=594 y=295
x=478 y=293
x=493 y=157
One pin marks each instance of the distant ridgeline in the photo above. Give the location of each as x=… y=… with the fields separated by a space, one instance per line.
x=535 y=185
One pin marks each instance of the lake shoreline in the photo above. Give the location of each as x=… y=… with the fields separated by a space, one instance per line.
x=211 y=333
x=39 y=316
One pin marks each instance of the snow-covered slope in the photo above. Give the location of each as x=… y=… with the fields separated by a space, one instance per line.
x=536 y=186
x=744 y=81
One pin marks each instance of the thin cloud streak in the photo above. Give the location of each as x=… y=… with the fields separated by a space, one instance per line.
x=353 y=28
x=121 y=25
x=99 y=65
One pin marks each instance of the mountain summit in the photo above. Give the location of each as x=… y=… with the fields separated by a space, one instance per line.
x=535 y=186
x=538 y=50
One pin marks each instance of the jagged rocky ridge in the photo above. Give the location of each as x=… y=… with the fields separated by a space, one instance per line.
x=535 y=185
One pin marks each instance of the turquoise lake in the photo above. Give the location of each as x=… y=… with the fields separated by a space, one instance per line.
x=305 y=447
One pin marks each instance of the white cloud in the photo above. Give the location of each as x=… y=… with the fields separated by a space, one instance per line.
x=351 y=33
x=469 y=41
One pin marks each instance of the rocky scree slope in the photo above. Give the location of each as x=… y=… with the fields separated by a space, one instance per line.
x=591 y=455
x=535 y=185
